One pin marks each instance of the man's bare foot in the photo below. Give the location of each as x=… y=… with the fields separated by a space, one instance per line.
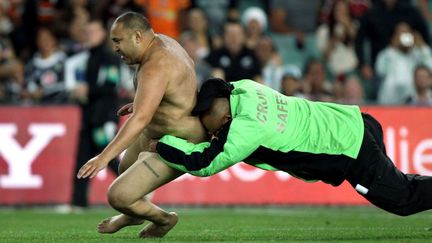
x=153 y=230
x=115 y=223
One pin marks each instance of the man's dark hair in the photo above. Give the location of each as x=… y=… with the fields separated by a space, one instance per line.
x=232 y=22
x=422 y=66
x=134 y=21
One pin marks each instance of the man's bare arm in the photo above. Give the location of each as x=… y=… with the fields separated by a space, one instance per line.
x=150 y=91
x=152 y=84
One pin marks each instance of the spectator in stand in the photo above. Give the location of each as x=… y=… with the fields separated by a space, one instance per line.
x=197 y=25
x=109 y=10
x=423 y=85
x=217 y=13
x=271 y=63
x=377 y=25
x=73 y=9
x=11 y=73
x=167 y=17
x=37 y=13
x=190 y=43
x=294 y=17
x=352 y=92
x=335 y=40
x=11 y=69
x=425 y=8
x=44 y=73
x=234 y=61
x=254 y=20
x=292 y=81
x=396 y=63
x=76 y=40
x=19 y=35
x=357 y=9
x=6 y=24
x=71 y=26
x=316 y=87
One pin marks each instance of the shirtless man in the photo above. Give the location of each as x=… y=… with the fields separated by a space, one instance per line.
x=165 y=95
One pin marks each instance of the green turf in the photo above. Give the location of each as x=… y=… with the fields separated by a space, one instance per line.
x=286 y=224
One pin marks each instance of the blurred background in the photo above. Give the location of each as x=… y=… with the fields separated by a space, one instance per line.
x=61 y=84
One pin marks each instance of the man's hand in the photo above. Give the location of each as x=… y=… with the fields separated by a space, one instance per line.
x=418 y=40
x=91 y=168
x=80 y=93
x=125 y=110
x=152 y=145
x=367 y=72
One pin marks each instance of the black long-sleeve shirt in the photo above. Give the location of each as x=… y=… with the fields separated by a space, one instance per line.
x=378 y=24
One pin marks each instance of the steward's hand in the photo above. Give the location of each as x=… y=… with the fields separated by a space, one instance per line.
x=91 y=168
x=125 y=110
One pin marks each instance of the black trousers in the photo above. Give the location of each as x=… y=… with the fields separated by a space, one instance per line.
x=87 y=149
x=381 y=182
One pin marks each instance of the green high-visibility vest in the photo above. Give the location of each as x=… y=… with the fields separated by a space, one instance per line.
x=262 y=117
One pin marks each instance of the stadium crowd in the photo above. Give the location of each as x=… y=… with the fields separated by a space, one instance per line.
x=345 y=51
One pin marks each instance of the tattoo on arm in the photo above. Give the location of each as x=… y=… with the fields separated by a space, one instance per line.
x=150 y=168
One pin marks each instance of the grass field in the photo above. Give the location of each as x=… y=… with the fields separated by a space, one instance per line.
x=285 y=224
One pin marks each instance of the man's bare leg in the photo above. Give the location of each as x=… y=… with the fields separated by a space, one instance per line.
x=141 y=144
x=126 y=195
x=115 y=223
x=153 y=230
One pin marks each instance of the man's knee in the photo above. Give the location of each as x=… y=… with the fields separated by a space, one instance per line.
x=118 y=198
x=121 y=201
